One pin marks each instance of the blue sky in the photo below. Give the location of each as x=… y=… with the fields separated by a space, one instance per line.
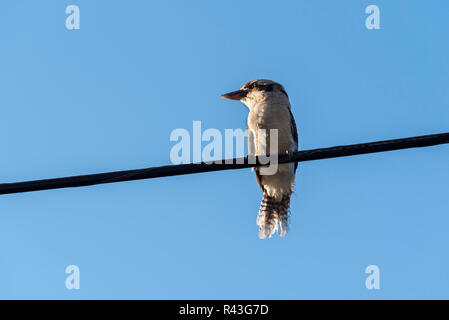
x=106 y=97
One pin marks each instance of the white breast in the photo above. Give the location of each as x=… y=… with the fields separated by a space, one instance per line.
x=268 y=116
x=273 y=115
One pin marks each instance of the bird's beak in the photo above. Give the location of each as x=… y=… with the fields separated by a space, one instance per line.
x=235 y=95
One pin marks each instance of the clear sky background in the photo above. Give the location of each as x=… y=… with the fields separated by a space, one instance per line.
x=106 y=97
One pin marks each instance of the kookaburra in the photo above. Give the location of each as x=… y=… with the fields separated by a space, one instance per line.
x=269 y=108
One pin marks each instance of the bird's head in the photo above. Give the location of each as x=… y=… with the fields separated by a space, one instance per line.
x=256 y=91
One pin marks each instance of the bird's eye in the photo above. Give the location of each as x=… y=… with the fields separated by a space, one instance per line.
x=251 y=86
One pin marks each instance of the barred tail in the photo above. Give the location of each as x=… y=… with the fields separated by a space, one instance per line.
x=273 y=216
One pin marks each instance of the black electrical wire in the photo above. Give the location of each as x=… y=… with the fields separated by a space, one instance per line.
x=228 y=164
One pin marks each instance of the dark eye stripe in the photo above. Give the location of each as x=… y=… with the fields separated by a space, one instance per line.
x=249 y=85
x=264 y=87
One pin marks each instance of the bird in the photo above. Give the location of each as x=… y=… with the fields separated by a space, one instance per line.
x=269 y=108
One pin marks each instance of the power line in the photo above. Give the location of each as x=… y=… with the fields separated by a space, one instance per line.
x=228 y=164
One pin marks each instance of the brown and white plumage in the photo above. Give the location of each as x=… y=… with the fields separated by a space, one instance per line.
x=269 y=108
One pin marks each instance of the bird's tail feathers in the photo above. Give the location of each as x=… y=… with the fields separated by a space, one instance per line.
x=273 y=216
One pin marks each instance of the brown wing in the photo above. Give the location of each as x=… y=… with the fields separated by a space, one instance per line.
x=294 y=132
